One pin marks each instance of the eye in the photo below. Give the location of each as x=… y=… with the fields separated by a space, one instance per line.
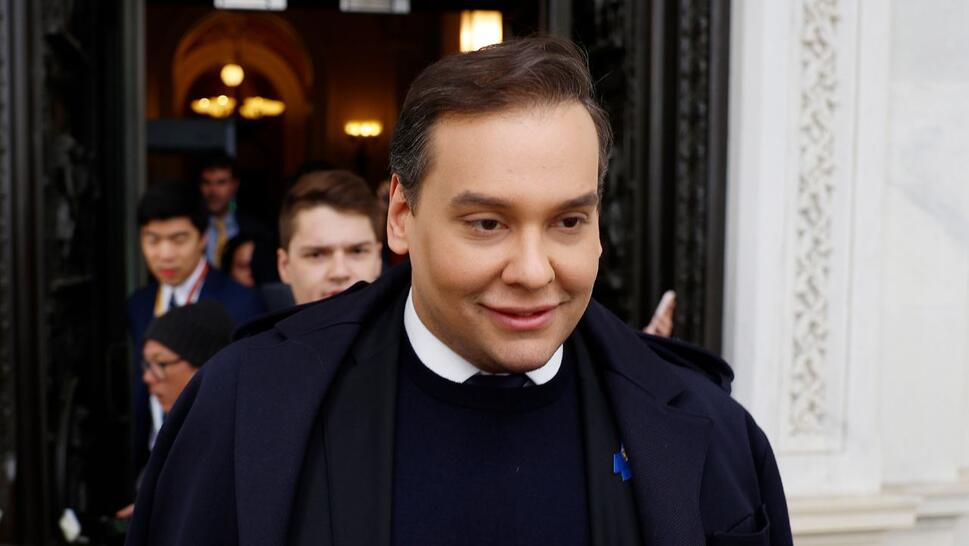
x=485 y=224
x=571 y=222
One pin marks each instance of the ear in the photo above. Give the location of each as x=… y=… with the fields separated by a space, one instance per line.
x=282 y=265
x=398 y=213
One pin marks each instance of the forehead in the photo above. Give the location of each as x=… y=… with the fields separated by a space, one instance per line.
x=216 y=174
x=170 y=226
x=324 y=225
x=548 y=152
x=155 y=349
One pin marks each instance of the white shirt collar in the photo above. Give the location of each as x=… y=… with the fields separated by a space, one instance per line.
x=440 y=359
x=182 y=290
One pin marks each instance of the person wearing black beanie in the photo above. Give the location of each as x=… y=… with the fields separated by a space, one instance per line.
x=178 y=343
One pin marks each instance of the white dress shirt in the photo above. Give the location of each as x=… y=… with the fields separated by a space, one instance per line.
x=443 y=361
x=183 y=290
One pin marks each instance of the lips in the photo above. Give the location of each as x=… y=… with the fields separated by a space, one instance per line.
x=167 y=272
x=521 y=319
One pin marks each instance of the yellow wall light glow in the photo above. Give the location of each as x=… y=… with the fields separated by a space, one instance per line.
x=480 y=28
x=363 y=128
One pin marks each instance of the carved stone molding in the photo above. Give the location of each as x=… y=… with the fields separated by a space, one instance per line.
x=808 y=416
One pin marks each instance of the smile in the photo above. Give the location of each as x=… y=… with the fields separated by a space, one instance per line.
x=521 y=319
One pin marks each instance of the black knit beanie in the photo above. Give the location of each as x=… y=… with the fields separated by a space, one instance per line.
x=194 y=332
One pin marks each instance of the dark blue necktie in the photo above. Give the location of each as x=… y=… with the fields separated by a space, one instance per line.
x=509 y=381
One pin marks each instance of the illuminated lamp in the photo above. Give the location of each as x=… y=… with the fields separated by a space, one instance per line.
x=258 y=107
x=232 y=75
x=480 y=28
x=216 y=107
x=363 y=128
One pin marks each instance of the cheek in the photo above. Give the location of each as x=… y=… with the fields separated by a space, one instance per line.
x=308 y=272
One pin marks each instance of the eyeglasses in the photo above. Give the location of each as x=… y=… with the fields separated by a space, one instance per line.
x=158 y=367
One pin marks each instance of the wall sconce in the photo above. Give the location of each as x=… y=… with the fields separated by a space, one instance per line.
x=363 y=128
x=232 y=75
x=216 y=107
x=480 y=28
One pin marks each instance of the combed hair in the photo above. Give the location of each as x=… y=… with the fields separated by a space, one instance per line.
x=173 y=199
x=519 y=73
x=341 y=190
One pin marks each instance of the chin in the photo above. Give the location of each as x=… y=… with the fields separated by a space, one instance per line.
x=522 y=359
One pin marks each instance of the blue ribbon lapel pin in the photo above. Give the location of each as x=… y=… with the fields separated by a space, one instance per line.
x=620 y=464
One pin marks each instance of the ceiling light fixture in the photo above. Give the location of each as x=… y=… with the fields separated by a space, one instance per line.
x=232 y=75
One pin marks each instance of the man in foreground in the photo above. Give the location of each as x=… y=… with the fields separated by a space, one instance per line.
x=478 y=397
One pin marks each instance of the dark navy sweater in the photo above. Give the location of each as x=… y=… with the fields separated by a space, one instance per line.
x=484 y=465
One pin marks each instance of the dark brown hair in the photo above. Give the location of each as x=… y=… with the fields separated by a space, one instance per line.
x=341 y=190
x=536 y=71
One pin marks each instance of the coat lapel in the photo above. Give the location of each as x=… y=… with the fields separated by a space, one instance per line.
x=666 y=446
x=282 y=387
x=359 y=435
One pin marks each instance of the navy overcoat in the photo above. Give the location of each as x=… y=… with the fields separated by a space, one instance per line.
x=226 y=466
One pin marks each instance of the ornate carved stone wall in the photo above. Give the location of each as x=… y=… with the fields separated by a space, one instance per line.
x=811 y=406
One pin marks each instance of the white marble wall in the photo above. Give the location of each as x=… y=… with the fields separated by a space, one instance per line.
x=926 y=283
x=847 y=279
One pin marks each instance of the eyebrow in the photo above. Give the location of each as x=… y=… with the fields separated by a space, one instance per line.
x=304 y=248
x=179 y=233
x=470 y=198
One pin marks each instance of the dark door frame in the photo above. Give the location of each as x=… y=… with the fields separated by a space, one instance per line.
x=661 y=69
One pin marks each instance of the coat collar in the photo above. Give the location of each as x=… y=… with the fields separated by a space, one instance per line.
x=283 y=391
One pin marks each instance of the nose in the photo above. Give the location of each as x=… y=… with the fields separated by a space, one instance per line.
x=148 y=377
x=339 y=271
x=166 y=250
x=529 y=265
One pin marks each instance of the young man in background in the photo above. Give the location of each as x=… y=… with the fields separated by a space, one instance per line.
x=328 y=235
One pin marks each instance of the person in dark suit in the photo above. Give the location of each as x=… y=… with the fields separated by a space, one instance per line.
x=476 y=395
x=172 y=220
x=219 y=184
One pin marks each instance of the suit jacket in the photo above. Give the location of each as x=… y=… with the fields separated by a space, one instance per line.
x=243 y=304
x=227 y=466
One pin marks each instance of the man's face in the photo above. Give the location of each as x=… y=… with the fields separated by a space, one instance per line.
x=218 y=188
x=329 y=251
x=172 y=249
x=504 y=241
